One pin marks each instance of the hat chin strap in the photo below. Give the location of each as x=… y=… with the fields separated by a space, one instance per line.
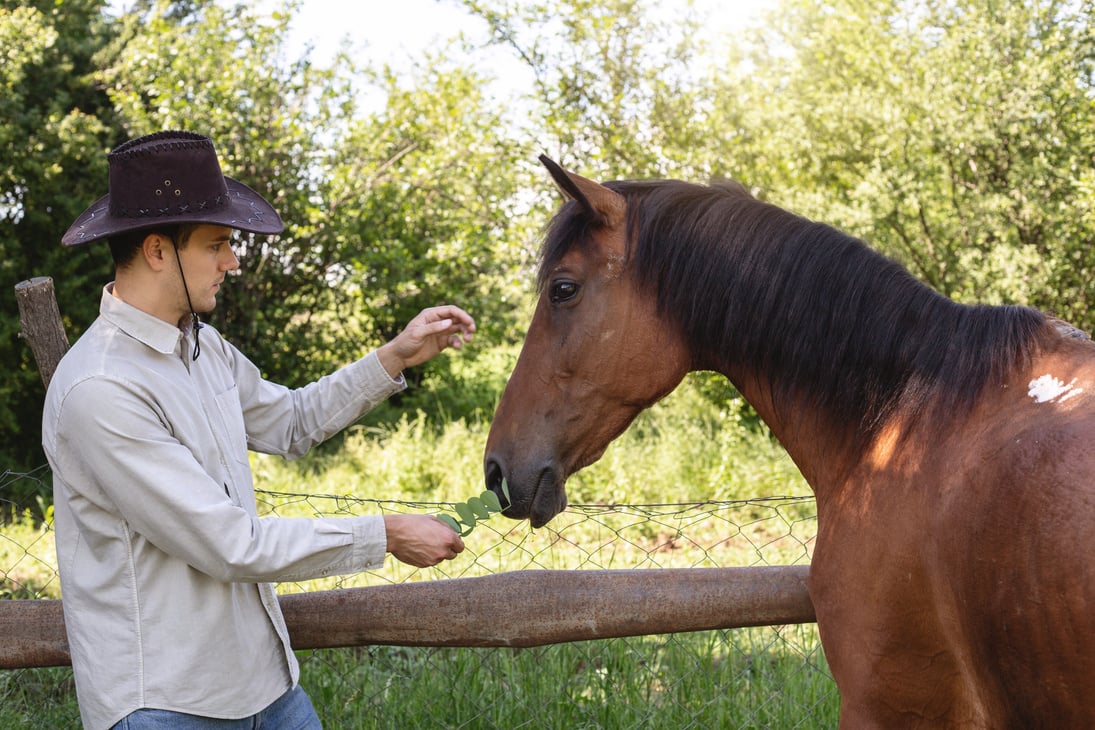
x=194 y=319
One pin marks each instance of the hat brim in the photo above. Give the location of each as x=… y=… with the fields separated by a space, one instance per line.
x=246 y=211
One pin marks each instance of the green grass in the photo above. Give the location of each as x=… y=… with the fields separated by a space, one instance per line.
x=685 y=450
x=745 y=678
x=38 y=699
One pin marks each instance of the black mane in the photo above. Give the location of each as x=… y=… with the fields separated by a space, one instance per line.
x=828 y=319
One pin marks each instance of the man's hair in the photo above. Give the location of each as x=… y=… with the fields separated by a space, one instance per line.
x=124 y=246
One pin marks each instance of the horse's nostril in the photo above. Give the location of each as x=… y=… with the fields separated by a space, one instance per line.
x=492 y=471
x=495 y=474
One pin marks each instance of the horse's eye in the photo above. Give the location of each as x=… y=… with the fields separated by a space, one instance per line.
x=562 y=291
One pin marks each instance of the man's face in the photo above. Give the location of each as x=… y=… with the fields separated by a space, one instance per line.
x=206 y=258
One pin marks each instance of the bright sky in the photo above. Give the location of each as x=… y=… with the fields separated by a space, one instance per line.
x=399 y=30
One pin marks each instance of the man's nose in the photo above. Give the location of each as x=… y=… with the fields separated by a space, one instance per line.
x=231 y=262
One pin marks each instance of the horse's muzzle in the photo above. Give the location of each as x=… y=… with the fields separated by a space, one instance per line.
x=537 y=495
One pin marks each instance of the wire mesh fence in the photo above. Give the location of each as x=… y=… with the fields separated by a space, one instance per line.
x=767 y=677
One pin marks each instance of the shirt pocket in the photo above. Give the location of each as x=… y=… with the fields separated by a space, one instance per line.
x=231 y=417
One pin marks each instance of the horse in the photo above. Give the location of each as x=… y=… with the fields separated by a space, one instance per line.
x=950 y=447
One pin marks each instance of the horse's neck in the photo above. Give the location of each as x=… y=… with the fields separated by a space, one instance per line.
x=822 y=450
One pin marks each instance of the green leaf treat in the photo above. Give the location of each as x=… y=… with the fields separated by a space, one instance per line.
x=475 y=510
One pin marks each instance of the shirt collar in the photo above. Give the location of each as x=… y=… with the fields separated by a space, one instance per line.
x=139 y=325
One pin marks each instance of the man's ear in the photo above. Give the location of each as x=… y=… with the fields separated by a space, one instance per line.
x=155 y=248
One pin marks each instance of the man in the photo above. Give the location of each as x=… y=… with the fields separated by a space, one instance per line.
x=166 y=569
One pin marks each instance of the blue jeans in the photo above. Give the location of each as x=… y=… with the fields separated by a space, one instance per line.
x=292 y=711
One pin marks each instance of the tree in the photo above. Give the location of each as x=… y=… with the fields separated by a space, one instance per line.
x=385 y=213
x=434 y=214
x=223 y=71
x=613 y=91
x=54 y=125
x=424 y=207
x=956 y=136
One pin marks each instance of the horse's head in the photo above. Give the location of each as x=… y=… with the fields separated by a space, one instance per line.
x=596 y=354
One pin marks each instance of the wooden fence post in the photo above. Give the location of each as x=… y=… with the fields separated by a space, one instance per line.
x=40 y=319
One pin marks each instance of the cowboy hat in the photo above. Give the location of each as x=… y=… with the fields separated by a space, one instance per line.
x=166 y=179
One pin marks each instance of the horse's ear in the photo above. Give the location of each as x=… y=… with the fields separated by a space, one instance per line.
x=601 y=205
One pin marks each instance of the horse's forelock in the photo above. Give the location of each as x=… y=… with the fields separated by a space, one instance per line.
x=568 y=228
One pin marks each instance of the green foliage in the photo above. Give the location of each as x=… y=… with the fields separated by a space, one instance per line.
x=39 y=698
x=715 y=679
x=425 y=200
x=465 y=385
x=954 y=135
x=689 y=447
x=698 y=443
x=476 y=509
x=719 y=679
x=611 y=84
x=54 y=125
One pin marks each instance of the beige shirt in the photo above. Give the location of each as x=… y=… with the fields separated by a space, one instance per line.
x=165 y=565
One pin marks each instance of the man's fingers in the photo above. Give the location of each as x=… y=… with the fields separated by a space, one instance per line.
x=455 y=313
x=456 y=334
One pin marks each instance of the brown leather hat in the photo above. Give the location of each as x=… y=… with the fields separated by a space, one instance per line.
x=168 y=178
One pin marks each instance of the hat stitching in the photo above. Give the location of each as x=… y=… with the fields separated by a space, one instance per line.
x=142 y=147
x=216 y=201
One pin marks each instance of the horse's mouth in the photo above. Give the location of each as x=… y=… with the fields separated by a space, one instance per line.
x=548 y=499
x=537 y=500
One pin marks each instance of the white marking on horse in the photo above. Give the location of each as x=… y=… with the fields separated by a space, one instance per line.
x=614 y=266
x=1048 y=389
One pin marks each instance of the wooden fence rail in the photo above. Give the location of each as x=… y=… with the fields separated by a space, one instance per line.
x=515 y=609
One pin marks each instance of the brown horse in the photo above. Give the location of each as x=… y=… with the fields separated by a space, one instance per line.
x=951 y=448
